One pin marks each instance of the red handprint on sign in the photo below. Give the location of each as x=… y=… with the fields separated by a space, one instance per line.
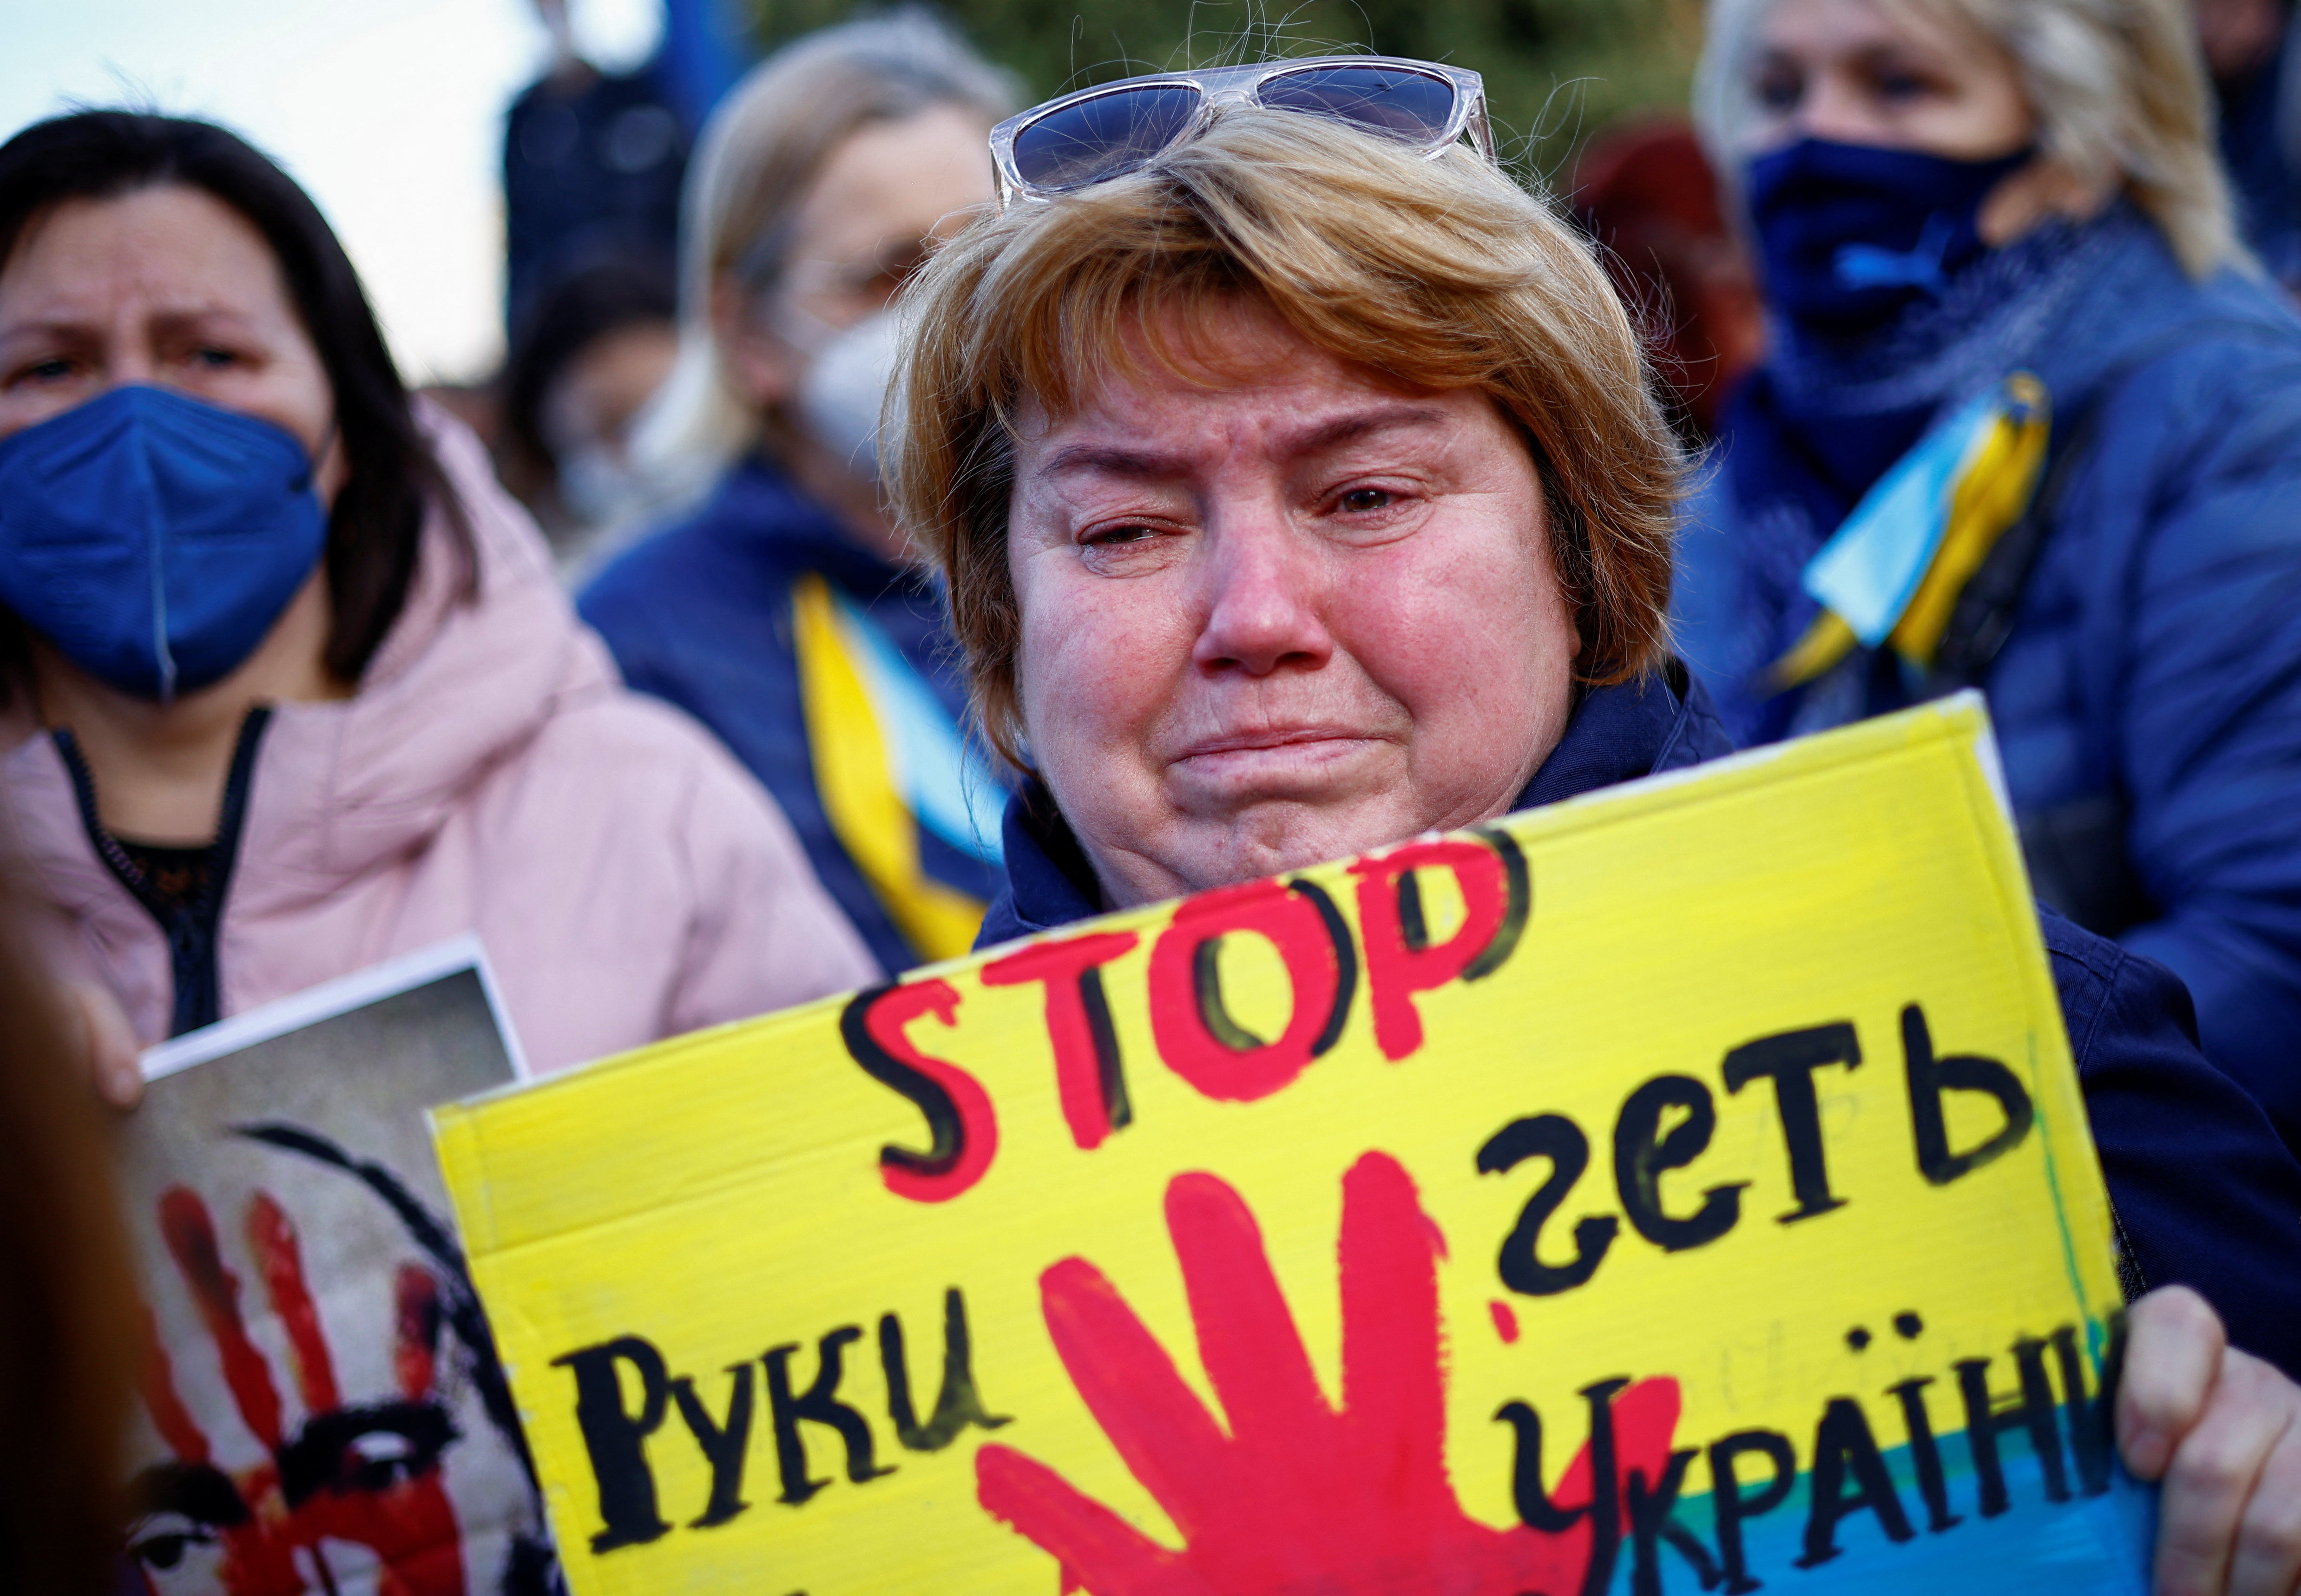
x=1289 y=1495
x=366 y=1475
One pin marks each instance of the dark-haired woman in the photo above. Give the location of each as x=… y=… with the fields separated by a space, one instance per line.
x=289 y=685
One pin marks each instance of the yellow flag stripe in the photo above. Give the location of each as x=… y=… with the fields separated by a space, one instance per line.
x=1825 y=642
x=858 y=786
x=1989 y=497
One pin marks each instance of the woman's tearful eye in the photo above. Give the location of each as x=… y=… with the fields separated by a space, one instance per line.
x=1128 y=548
x=1112 y=536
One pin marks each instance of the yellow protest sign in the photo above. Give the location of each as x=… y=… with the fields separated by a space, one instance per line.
x=1686 y=1186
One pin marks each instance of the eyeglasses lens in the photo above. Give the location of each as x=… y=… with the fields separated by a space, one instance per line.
x=1102 y=137
x=1414 y=106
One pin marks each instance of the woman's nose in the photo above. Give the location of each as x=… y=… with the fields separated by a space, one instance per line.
x=128 y=355
x=1266 y=610
x=1834 y=108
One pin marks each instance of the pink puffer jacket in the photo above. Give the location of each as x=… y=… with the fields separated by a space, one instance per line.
x=627 y=878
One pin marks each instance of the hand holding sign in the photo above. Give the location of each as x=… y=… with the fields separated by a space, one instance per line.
x=2222 y=1431
x=1294 y=1495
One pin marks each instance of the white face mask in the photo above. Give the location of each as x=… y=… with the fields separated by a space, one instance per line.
x=599 y=488
x=845 y=389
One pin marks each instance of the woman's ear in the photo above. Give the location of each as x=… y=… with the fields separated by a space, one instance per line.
x=2046 y=187
x=760 y=365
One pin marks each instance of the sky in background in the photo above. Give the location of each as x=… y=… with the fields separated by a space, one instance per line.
x=389 y=112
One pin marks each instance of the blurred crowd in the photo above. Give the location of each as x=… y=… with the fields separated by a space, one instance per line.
x=674 y=664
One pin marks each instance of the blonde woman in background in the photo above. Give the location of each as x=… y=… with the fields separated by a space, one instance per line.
x=783 y=611
x=1999 y=259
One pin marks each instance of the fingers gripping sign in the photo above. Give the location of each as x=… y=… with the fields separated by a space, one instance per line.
x=1286 y=1492
x=2221 y=1430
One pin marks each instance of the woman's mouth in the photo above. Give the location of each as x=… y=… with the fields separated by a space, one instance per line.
x=1286 y=757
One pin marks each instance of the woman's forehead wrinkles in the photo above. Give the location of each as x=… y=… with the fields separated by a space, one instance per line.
x=162 y=253
x=1296 y=400
x=1104 y=447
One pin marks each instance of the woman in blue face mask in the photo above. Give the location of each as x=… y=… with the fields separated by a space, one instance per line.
x=2030 y=421
x=287 y=685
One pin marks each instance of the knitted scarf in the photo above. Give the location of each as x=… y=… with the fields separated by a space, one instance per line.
x=1822 y=421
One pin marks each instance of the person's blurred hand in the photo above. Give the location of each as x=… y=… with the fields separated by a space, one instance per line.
x=2222 y=1429
x=106 y=1044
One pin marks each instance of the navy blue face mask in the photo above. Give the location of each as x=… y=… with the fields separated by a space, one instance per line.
x=154 y=539
x=1850 y=234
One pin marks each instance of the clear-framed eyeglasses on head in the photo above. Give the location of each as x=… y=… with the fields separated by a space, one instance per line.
x=1098 y=134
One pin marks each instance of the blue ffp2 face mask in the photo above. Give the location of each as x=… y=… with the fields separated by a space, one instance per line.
x=1849 y=234
x=154 y=539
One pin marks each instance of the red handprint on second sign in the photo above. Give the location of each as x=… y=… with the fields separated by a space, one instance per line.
x=365 y=1475
x=1292 y=1496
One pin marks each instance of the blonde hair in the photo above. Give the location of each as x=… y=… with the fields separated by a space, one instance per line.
x=1439 y=274
x=759 y=153
x=2117 y=88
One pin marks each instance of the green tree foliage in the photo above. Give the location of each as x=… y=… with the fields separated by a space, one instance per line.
x=1556 y=71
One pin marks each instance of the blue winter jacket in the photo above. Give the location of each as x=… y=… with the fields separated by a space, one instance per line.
x=700 y=613
x=2149 y=692
x=2204 y=1193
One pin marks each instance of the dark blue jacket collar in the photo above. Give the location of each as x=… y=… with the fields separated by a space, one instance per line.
x=1616 y=734
x=756 y=505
